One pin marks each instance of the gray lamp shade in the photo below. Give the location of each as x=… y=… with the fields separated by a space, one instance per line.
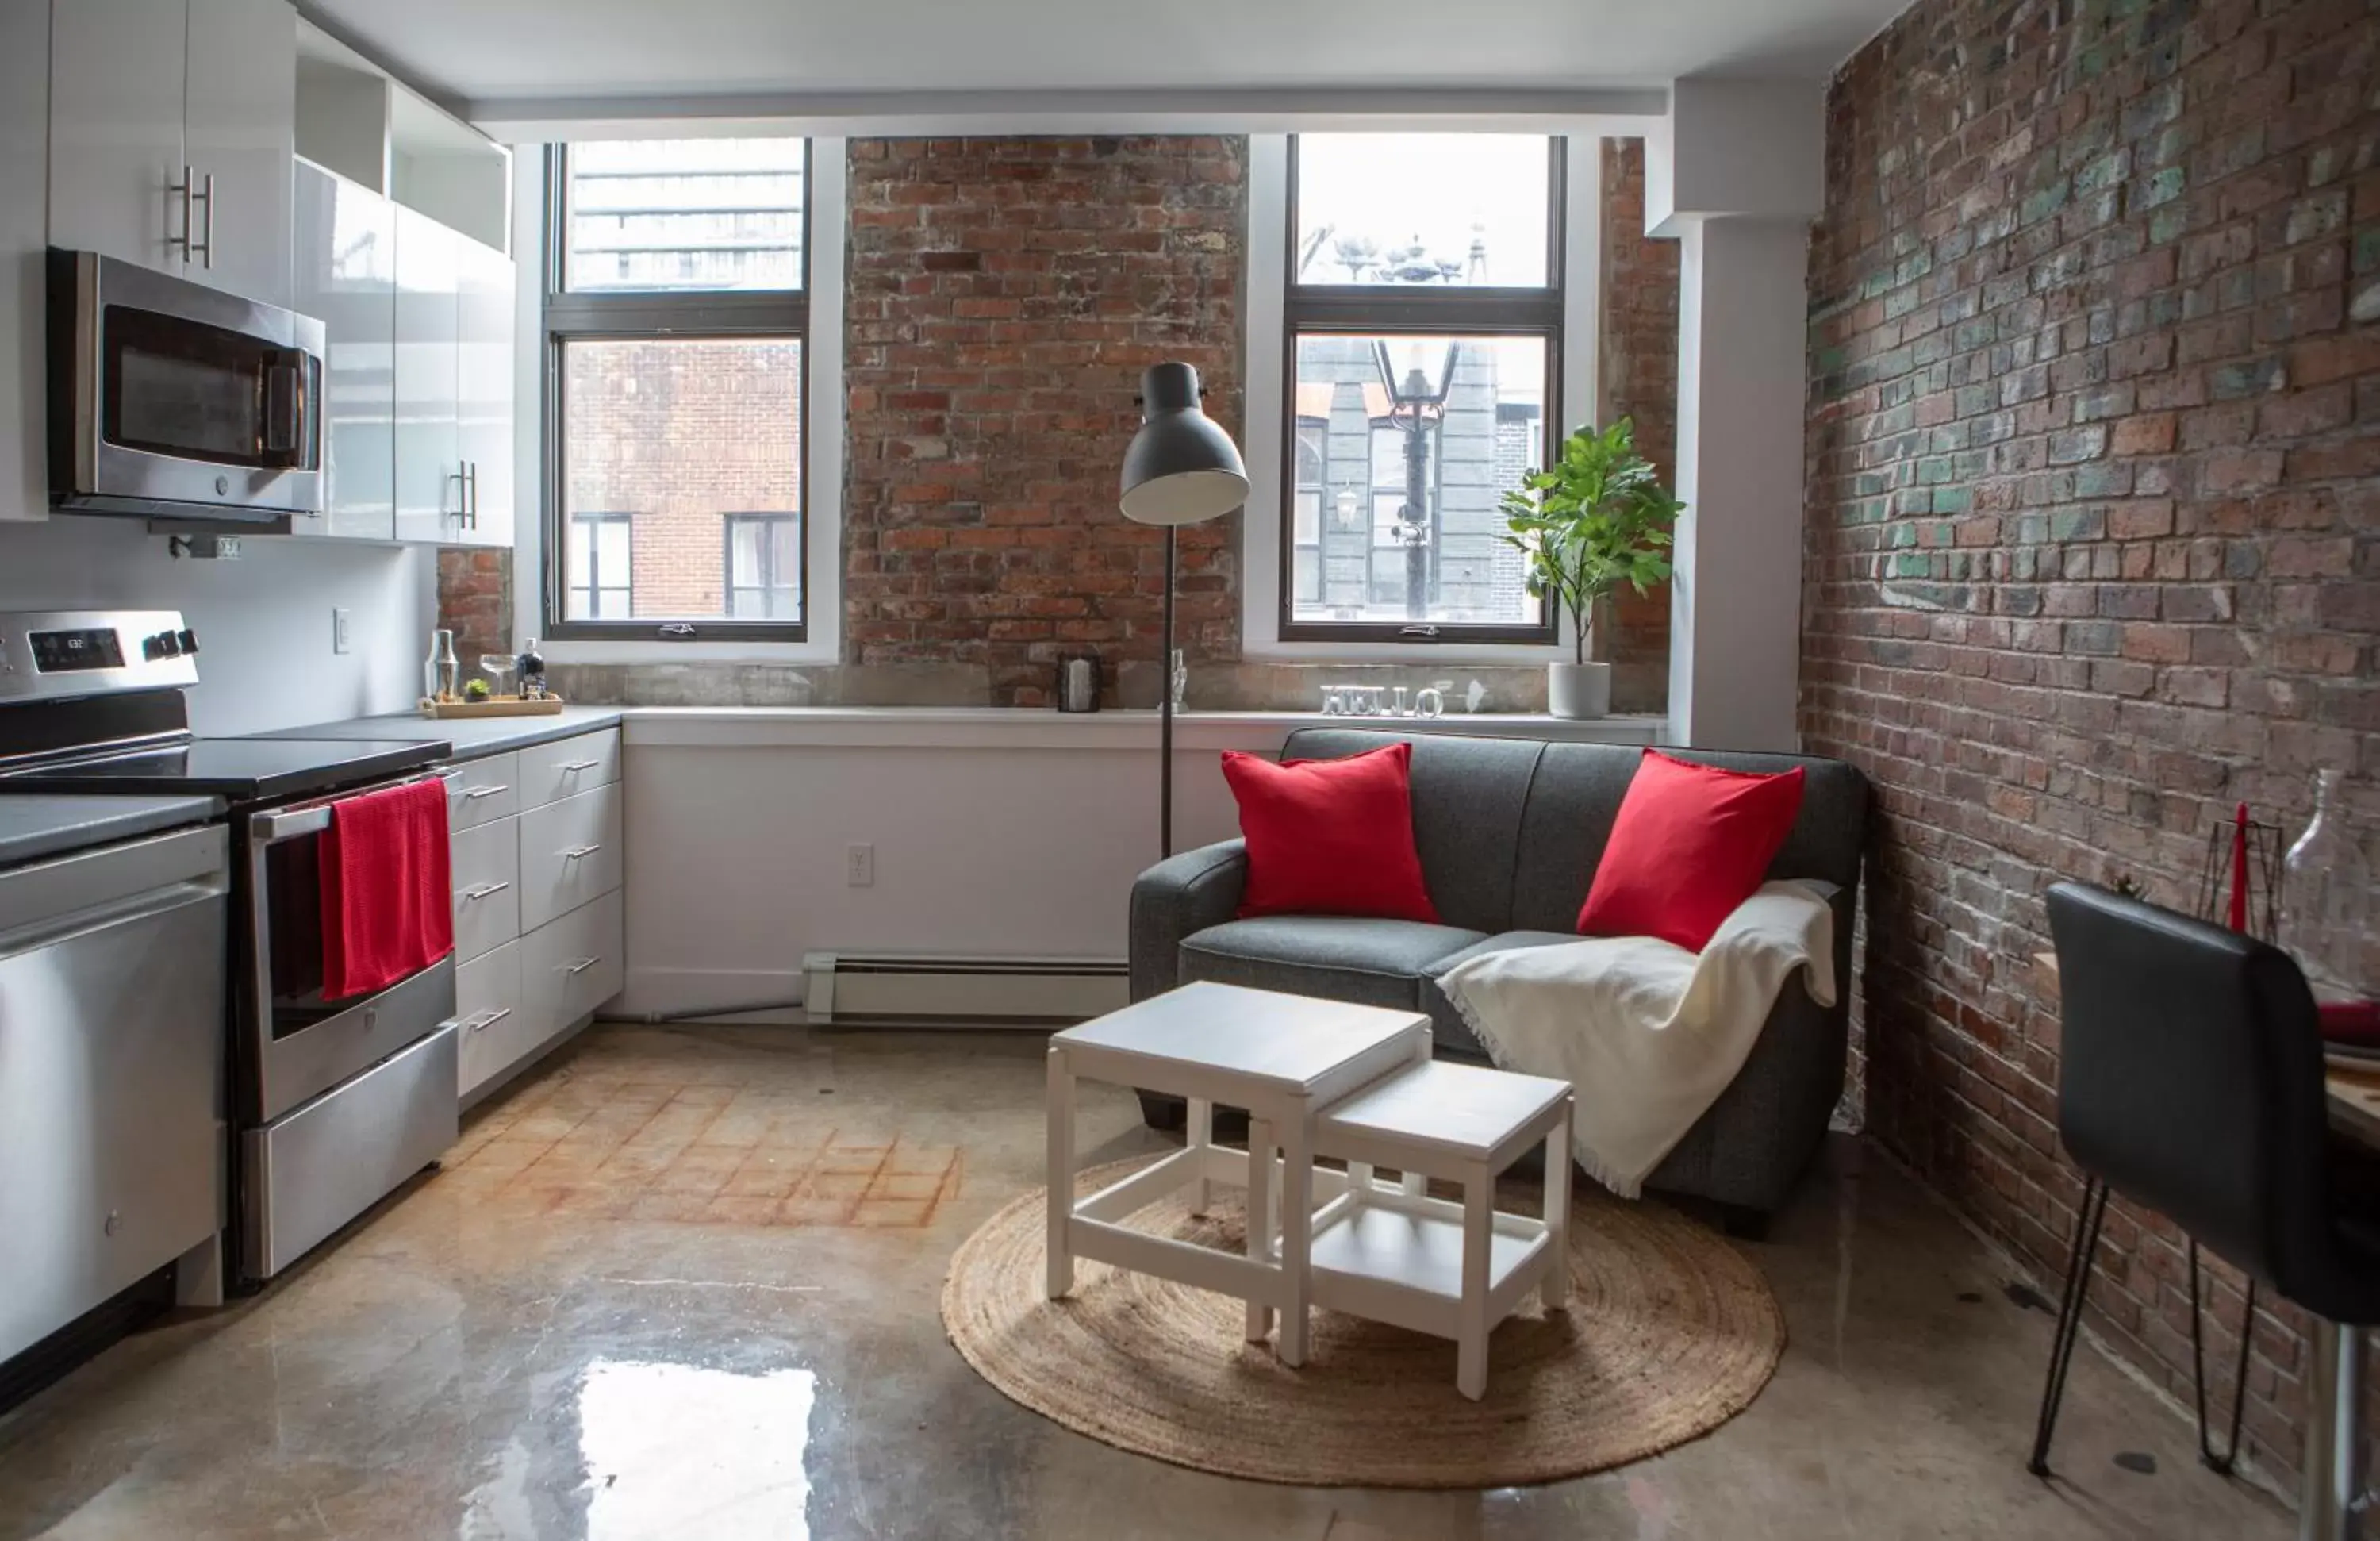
x=1181 y=469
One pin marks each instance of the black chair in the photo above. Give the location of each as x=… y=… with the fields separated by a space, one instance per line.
x=2190 y=1081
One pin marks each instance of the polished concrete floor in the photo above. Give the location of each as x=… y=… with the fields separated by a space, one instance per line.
x=593 y=1324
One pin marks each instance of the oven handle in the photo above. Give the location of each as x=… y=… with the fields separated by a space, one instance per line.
x=273 y=827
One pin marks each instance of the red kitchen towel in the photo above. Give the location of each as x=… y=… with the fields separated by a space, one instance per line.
x=387 y=898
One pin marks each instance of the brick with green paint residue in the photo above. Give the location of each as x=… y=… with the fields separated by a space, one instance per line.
x=1912 y=565
x=2168 y=225
x=2313 y=218
x=2070 y=525
x=2254 y=377
x=1931 y=469
x=2104 y=172
x=1901 y=537
x=2367 y=249
x=2038 y=206
x=2111 y=481
x=1953 y=500
x=2163 y=187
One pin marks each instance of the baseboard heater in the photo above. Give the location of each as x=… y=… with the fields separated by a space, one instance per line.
x=956 y=991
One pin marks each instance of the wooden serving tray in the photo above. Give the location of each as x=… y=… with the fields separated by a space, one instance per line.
x=494 y=706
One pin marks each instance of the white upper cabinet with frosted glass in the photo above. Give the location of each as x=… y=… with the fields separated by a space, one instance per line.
x=172 y=126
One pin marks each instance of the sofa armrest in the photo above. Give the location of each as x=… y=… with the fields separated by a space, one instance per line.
x=1179 y=896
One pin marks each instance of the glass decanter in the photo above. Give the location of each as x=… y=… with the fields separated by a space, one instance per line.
x=2326 y=899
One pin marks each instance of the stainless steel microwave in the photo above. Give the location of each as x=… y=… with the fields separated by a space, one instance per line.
x=173 y=400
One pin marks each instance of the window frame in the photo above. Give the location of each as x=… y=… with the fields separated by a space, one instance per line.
x=699 y=315
x=1367 y=310
x=595 y=518
x=766 y=519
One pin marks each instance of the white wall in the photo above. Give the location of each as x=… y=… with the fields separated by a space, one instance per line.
x=263 y=622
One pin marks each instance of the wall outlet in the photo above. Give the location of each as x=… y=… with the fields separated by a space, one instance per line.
x=859 y=867
x=341 y=630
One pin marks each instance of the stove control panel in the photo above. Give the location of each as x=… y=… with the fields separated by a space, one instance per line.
x=94 y=652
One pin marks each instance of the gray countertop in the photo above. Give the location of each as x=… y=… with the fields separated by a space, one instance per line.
x=36 y=826
x=471 y=736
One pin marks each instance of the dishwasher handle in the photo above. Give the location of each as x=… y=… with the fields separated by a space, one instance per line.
x=58 y=897
x=104 y=917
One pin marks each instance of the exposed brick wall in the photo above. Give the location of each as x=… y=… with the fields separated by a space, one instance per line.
x=2094 y=538
x=1639 y=370
x=1004 y=296
x=475 y=602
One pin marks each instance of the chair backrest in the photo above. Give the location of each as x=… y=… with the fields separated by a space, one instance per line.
x=2191 y=1078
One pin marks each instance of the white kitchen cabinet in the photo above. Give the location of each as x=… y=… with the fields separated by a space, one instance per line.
x=344 y=276
x=484 y=353
x=116 y=82
x=239 y=127
x=544 y=943
x=172 y=125
x=429 y=383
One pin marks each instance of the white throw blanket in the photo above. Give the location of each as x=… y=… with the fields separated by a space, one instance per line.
x=1647 y=1033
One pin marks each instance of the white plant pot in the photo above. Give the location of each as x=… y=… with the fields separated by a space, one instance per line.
x=1578 y=690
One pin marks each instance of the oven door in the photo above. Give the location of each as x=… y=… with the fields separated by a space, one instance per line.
x=169 y=399
x=299 y=1043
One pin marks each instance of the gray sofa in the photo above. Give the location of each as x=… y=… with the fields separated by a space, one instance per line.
x=1510 y=831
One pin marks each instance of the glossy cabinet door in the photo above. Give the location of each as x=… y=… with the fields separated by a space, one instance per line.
x=115 y=130
x=240 y=127
x=344 y=265
x=428 y=459
x=484 y=374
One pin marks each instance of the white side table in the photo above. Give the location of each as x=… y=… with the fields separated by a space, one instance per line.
x=1395 y=1254
x=1280 y=1057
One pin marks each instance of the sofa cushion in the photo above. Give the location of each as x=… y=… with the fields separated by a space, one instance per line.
x=1369 y=963
x=1467 y=798
x=1332 y=836
x=1446 y=1025
x=1690 y=844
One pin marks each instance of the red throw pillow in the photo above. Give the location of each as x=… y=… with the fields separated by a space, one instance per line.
x=1330 y=836
x=1690 y=843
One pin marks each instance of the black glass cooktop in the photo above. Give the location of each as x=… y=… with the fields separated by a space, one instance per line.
x=244 y=769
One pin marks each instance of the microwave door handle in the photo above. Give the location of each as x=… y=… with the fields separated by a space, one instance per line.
x=284 y=406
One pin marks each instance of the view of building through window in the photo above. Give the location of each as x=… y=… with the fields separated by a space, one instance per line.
x=680 y=452
x=1425 y=308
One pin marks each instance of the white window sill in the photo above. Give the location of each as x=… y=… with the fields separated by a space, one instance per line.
x=814 y=653
x=1013 y=727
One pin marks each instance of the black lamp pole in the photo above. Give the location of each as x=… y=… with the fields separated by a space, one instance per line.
x=1165 y=711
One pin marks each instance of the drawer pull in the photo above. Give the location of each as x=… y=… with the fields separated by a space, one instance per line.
x=489 y=1018
x=576 y=852
x=478 y=792
x=453 y=774
x=581 y=966
x=574 y=766
x=485 y=890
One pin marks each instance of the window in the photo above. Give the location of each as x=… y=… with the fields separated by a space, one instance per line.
x=676 y=315
x=1425 y=315
x=602 y=566
x=764 y=565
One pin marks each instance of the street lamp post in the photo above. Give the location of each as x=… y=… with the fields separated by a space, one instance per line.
x=1418 y=377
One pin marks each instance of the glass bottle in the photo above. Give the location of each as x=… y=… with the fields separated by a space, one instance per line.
x=532 y=672
x=2326 y=899
x=440 y=672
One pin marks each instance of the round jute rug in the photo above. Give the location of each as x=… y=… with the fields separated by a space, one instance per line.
x=1669 y=1332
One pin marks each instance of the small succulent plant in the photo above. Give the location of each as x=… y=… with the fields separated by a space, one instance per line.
x=477 y=691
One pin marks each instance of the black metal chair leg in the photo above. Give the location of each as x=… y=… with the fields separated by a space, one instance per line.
x=2085 y=1248
x=2223 y=1463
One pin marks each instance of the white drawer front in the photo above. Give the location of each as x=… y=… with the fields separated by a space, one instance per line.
x=495 y=1029
x=481 y=790
x=573 y=966
x=487 y=888
x=567 y=767
x=569 y=854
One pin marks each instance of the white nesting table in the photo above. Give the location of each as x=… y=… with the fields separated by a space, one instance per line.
x=1395 y=1254
x=1282 y=1057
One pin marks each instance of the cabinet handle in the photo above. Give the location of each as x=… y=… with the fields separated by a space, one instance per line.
x=577 y=851
x=471 y=486
x=581 y=966
x=574 y=766
x=461 y=491
x=488 y=1019
x=185 y=190
x=209 y=196
x=476 y=793
x=484 y=890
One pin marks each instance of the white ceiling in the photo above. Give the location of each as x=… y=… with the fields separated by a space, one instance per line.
x=482 y=52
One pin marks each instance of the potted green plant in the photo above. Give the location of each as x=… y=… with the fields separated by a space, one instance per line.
x=1599 y=517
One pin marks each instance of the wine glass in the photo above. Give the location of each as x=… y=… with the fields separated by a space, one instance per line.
x=498 y=667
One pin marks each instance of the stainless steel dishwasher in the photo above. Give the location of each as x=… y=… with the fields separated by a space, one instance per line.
x=112 y=1143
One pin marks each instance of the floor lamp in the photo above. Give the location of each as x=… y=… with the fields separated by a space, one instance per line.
x=1182 y=470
